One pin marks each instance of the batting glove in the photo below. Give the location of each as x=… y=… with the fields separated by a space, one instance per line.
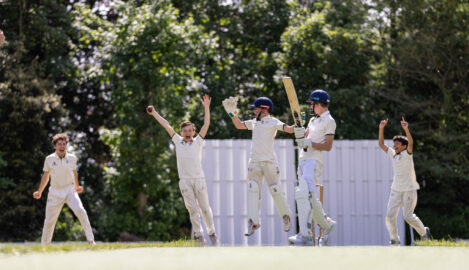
x=300 y=132
x=230 y=106
x=303 y=143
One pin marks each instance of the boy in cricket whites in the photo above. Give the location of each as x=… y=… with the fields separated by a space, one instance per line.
x=62 y=169
x=319 y=137
x=404 y=184
x=191 y=176
x=262 y=161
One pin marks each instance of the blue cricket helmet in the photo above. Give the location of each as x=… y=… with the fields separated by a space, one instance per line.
x=319 y=95
x=263 y=103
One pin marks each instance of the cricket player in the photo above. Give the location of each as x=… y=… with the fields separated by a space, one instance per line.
x=262 y=161
x=191 y=176
x=404 y=184
x=319 y=137
x=62 y=169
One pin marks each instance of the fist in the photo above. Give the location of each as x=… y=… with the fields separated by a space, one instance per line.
x=79 y=189
x=300 y=132
x=36 y=195
x=150 y=109
x=383 y=123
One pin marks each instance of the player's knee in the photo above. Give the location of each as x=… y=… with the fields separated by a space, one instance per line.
x=301 y=193
x=275 y=190
x=409 y=217
x=252 y=186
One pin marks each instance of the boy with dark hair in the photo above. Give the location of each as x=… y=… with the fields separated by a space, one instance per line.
x=404 y=185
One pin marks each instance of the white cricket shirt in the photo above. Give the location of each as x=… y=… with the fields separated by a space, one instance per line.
x=263 y=136
x=60 y=169
x=404 y=174
x=189 y=157
x=318 y=127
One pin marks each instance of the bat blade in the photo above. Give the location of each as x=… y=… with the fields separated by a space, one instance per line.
x=293 y=100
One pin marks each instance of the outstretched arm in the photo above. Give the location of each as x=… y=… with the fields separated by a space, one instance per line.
x=163 y=122
x=44 y=180
x=230 y=107
x=382 y=124
x=206 y=102
x=405 y=126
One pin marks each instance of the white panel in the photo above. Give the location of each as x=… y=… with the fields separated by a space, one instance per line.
x=357 y=177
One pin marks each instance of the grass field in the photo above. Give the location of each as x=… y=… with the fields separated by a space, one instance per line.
x=185 y=255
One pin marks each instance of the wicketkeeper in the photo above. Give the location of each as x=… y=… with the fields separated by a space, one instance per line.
x=318 y=138
x=404 y=184
x=262 y=161
x=64 y=189
x=191 y=176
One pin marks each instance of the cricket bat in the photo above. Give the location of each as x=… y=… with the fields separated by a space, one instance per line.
x=298 y=116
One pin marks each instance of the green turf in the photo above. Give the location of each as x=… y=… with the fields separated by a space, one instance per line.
x=67 y=247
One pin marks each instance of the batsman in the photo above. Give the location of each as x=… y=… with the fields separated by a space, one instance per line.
x=263 y=161
x=318 y=137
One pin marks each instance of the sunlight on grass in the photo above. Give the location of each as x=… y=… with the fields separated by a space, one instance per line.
x=29 y=248
x=442 y=243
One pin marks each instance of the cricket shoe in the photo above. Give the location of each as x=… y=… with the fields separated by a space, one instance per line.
x=286 y=223
x=300 y=240
x=325 y=235
x=395 y=243
x=252 y=227
x=200 y=240
x=214 y=239
x=426 y=236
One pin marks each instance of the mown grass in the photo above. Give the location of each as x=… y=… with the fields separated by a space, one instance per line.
x=442 y=243
x=67 y=247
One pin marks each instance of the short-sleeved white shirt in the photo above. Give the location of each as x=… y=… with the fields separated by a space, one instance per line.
x=263 y=136
x=404 y=174
x=318 y=127
x=189 y=157
x=60 y=169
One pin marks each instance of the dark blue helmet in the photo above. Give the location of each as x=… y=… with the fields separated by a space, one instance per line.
x=319 y=95
x=263 y=103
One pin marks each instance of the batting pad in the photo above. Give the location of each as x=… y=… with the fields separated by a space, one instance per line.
x=318 y=213
x=279 y=199
x=303 y=204
x=253 y=202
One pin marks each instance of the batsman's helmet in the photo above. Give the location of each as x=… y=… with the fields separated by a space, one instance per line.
x=263 y=103
x=320 y=96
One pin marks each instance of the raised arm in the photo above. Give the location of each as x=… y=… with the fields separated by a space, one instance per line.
x=163 y=122
x=405 y=126
x=206 y=102
x=382 y=124
x=44 y=180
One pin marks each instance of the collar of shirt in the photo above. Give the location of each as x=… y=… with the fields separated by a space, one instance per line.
x=57 y=156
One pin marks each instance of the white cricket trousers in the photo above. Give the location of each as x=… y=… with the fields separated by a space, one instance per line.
x=55 y=202
x=408 y=201
x=194 y=192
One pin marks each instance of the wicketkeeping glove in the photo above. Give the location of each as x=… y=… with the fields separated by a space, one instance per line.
x=299 y=132
x=230 y=106
x=303 y=143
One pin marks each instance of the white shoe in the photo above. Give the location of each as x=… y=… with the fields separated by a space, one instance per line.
x=325 y=235
x=395 y=243
x=214 y=239
x=200 y=240
x=426 y=236
x=252 y=227
x=286 y=223
x=92 y=242
x=301 y=240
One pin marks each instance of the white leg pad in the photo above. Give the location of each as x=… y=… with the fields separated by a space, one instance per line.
x=280 y=201
x=254 y=199
x=304 y=207
x=318 y=213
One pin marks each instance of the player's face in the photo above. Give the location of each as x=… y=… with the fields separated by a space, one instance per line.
x=187 y=133
x=399 y=147
x=60 y=147
x=317 y=108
